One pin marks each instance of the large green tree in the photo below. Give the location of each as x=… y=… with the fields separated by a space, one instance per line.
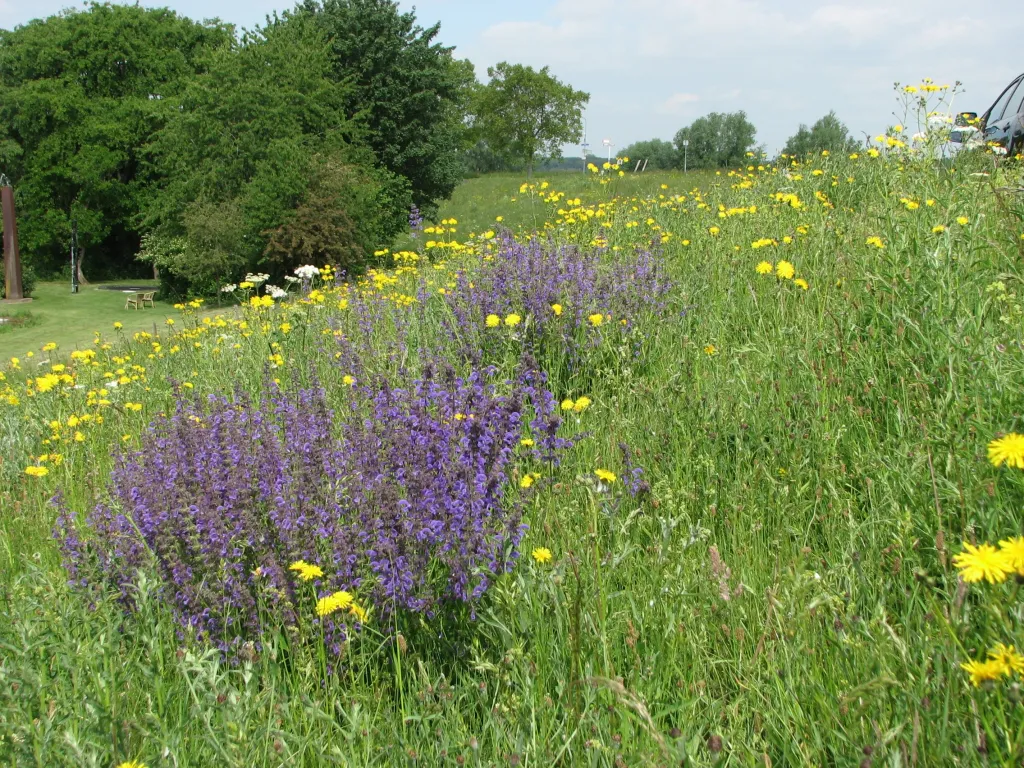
x=659 y=155
x=522 y=113
x=828 y=133
x=81 y=93
x=405 y=88
x=717 y=140
x=258 y=145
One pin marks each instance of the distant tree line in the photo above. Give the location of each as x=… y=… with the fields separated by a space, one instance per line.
x=186 y=147
x=722 y=140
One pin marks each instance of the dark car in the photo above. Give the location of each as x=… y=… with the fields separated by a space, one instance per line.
x=1003 y=124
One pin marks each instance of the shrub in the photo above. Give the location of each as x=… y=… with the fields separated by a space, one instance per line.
x=410 y=508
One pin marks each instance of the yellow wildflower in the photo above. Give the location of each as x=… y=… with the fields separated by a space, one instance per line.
x=980 y=671
x=339 y=601
x=765 y=268
x=493 y=321
x=513 y=320
x=541 y=555
x=596 y=319
x=306 y=571
x=784 y=270
x=605 y=475
x=982 y=562
x=35 y=471
x=1008 y=450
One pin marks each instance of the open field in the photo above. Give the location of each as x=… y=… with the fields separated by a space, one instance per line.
x=684 y=481
x=70 y=320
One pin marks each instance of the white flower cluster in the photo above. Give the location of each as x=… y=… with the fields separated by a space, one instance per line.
x=307 y=271
x=274 y=292
x=228 y=288
x=290 y=279
x=257 y=279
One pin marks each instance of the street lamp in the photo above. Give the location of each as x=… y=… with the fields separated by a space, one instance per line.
x=584 y=145
x=608 y=144
x=686 y=143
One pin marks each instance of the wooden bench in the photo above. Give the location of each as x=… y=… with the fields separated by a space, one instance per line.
x=138 y=299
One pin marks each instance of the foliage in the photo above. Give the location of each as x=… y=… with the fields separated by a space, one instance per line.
x=261 y=133
x=28 y=280
x=829 y=133
x=522 y=112
x=81 y=94
x=825 y=410
x=406 y=89
x=660 y=155
x=717 y=140
x=321 y=229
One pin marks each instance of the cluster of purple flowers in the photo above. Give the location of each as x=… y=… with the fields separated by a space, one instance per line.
x=405 y=500
x=556 y=289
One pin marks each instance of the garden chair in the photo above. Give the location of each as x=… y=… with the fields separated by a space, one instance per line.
x=138 y=299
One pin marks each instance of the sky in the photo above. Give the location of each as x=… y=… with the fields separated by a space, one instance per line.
x=653 y=66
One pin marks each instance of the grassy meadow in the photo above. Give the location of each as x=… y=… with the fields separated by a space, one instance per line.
x=728 y=535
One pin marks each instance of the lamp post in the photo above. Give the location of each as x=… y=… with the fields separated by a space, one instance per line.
x=584 y=145
x=686 y=143
x=74 y=255
x=608 y=144
x=12 y=259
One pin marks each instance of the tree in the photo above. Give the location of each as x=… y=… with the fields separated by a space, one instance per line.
x=81 y=93
x=660 y=155
x=521 y=113
x=250 y=143
x=407 y=90
x=717 y=140
x=829 y=133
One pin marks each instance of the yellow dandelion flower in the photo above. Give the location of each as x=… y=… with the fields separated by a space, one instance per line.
x=526 y=442
x=981 y=671
x=132 y=764
x=493 y=321
x=1008 y=450
x=568 y=404
x=875 y=241
x=339 y=601
x=35 y=471
x=359 y=613
x=582 y=404
x=963 y=221
x=557 y=309
x=938 y=229
x=982 y=562
x=49 y=347
x=801 y=283
x=596 y=319
x=348 y=381
x=306 y=571
x=541 y=555
x=513 y=320
x=765 y=268
x=1013 y=550
x=784 y=270
x=118 y=326
x=710 y=349
x=605 y=476
x=1009 y=657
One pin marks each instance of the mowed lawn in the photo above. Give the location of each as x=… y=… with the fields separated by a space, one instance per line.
x=71 y=320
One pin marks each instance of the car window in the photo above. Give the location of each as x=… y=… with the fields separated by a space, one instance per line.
x=997 y=110
x=1016 y=103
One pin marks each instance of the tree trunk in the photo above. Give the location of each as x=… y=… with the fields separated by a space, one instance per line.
x=78 y=266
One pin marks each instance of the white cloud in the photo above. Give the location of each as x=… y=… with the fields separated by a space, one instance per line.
x=785 y=62
x=678 y=103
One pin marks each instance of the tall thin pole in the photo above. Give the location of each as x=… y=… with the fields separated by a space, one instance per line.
x=12 y=258
x=74 y=255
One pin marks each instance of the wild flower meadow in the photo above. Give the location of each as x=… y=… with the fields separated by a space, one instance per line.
x=605 y=469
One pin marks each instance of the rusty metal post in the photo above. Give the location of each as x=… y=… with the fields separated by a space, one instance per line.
x=12 y=259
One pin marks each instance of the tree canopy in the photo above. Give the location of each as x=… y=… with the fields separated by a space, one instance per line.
x=660 y=155
x=81 y=93
x=522 y=113
x=717 y=140
x=828 y=133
